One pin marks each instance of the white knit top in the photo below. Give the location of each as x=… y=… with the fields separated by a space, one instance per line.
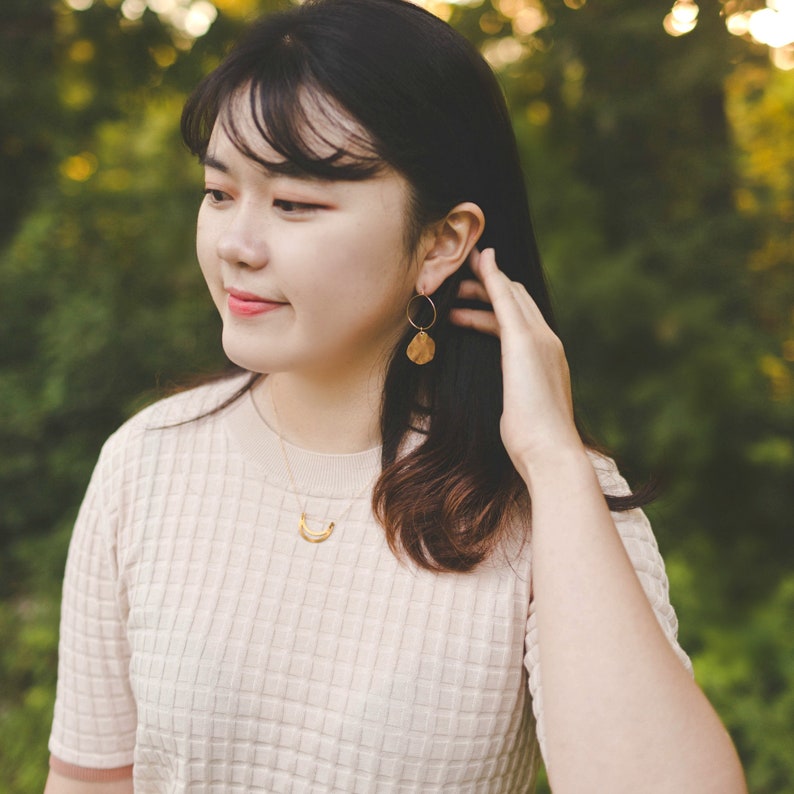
x=208 y=645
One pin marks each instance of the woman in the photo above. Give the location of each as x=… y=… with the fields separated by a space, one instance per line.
x=321 y=574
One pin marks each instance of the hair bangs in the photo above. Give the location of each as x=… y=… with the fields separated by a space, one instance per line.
x=286 y=111
x=308 y=131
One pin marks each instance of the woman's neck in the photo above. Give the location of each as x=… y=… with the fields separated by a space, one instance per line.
x=338 y=416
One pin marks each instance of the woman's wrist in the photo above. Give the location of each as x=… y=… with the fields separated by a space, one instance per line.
x=558 y=468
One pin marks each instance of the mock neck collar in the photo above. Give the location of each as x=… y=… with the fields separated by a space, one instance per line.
x=315 y=473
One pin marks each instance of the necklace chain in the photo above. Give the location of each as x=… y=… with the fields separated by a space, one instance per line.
x=311 y=535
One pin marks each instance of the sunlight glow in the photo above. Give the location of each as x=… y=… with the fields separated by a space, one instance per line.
x=188 y=19
x=685 y=13
x=529 y=21
x=739 y=24
x=502 y=52
x=772 y=26
x=199 y=18
x=443 y=10
x=527 y=16
x=783 y=58
x=133 y=9
x=162 y=6
x=682 y=18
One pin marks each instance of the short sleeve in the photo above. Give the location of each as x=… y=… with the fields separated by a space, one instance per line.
x=95 y=717
x=640 y=544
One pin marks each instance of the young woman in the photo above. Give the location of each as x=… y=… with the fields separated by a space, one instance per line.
x=380 y=557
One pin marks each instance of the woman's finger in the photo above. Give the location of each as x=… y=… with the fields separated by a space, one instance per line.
x=470 y=290
x=511 y=303
x=476 y=319
x=527 y=304
x=487 y=270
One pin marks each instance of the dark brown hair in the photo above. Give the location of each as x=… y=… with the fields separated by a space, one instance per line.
x=429 y=107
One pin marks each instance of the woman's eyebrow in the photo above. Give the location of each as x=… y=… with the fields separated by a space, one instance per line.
x=208 y=161
x=283 y=168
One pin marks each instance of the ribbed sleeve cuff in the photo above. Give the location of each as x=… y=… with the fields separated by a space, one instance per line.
x=89 y=775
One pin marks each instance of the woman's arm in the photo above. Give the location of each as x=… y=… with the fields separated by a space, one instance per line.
x=621 y=712
x=58 y=784
x=620 y=709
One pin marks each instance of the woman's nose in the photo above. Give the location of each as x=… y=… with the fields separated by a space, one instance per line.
x=242 y=241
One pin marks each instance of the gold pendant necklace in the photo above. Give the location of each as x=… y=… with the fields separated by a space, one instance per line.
x=311 y=535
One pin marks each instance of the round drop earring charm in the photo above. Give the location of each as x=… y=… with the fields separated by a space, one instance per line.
x=422 y=348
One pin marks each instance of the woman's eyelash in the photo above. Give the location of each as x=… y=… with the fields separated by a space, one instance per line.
x=294 y=206
x=285 y=205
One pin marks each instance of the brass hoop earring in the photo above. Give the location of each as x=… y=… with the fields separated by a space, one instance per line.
x=422 y=348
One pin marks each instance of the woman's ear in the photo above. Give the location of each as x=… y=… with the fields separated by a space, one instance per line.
x=447 y=245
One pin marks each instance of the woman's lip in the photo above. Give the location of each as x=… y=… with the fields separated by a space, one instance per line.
x=246 y=304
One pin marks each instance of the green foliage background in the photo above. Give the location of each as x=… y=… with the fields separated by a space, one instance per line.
x=661 y=172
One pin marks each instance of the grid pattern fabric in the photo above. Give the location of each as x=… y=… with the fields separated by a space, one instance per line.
x=204 y=642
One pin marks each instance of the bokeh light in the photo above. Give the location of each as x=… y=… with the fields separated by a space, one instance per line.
x=530 y=20
x=199 y=18
x=79 y=167
x=82 y=51
x=133 y=9
x=772 y=25
x=188 y=19
x=502 y=52
x=683 y=18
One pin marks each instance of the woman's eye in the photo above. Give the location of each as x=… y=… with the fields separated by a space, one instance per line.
x=214 y=195
x=293 y=207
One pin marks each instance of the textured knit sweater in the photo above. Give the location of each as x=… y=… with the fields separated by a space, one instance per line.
x=206 y=646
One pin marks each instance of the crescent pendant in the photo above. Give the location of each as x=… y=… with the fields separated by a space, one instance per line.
x=311 y=535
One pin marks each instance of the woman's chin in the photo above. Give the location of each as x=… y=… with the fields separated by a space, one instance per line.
x=243 y=356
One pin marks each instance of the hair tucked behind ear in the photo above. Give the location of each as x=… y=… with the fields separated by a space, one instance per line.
x=428 y=106
x=446 y=500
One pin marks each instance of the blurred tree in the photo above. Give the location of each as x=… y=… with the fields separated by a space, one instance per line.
x=760 y=103
x=750 y=669
x=27 y=41
x=99 y=293
x=661 y=175
x=634 y=177
x=117 y=302
x=99 y=299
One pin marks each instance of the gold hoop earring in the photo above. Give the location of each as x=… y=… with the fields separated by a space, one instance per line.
x=422 y=348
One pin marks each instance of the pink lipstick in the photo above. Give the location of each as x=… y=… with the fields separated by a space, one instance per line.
x=246 y=304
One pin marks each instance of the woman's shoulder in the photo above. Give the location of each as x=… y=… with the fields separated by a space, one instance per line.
x=610 y=479
x=162 y=440
x=180 y=413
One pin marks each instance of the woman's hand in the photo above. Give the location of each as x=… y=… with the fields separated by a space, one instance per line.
x=537 y=419
x=621 y=713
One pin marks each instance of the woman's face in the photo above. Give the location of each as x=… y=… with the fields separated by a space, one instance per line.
x=309 y=276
